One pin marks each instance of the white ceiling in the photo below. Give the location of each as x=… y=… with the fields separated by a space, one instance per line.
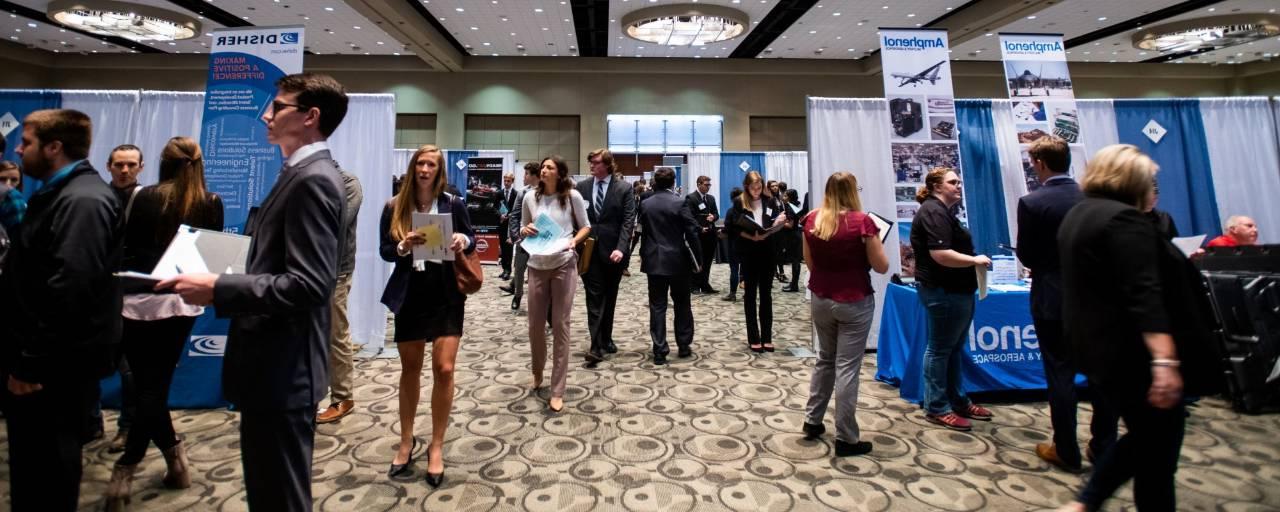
x=846 y=29
x=1074 y=18
x=546 y=28
x=328 y=31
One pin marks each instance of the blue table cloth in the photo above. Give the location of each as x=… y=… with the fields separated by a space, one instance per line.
x=1002 y=352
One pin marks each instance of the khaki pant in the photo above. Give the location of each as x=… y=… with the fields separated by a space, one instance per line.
x=341 y=351
x=554 y=289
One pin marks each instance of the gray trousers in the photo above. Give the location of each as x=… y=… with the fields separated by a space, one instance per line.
x=842 y=340
x=521 y=262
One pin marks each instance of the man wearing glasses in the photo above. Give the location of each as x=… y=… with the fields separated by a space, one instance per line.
x=275 y=366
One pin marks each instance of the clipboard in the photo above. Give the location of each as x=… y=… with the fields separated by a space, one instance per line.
x=192 y=251
x=882 y=224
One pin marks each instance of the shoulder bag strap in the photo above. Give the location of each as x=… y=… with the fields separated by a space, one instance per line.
x=129 y=206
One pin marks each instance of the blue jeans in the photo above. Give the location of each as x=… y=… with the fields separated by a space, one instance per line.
x=949 y=317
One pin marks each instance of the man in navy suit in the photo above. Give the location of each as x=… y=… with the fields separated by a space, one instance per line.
x=1040 y=213
x=611 y=210
x=277 y=348
x=669 y=254
x=706 y=212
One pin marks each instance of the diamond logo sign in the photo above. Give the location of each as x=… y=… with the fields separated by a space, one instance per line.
x=8 y=123
x=1154 y=131
x=460 y=165
x=744 y=166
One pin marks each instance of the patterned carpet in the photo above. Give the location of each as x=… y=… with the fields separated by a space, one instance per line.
x=716 y=432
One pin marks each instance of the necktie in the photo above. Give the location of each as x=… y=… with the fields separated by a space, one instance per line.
x=599 y=202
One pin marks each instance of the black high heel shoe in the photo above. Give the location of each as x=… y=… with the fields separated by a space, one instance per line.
x=435 y=480
x=399 y=469
x=767 y=347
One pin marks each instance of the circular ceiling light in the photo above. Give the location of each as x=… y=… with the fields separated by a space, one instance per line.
x=135 y=22
x=685 y=25
x=1206 y=34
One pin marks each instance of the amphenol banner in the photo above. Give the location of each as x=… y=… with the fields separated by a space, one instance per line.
x=244 y=64
x=922 y=118
x=1035 y=70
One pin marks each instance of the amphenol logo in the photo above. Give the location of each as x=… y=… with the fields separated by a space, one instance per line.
x=1003 y=343
x=1032 y=46
x=207 y=346
x=913 y=42
x=282 y=38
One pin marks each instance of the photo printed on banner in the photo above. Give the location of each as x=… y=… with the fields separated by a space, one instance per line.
x=1038 y=79
x=1041 y=96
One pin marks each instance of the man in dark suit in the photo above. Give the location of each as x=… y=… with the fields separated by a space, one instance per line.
x=704 y=209
x=276 y=360
x=508 y=195
x=62 y=310
x=611 y=209
x=669 y=255
x=1040 y=214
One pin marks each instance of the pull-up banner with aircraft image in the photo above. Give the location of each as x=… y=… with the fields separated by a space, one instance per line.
x=1040 y=93
x=922 y=118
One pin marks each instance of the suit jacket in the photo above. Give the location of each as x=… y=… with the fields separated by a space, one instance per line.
x=1120 y=279
x=612 y=227
x=277 y=347
x=670 y=236
x=508 y=199
x=750 y=250
x=61 y=304
x=398 y=283
x=694 y=201
x=1040 y=214
x=513 y=219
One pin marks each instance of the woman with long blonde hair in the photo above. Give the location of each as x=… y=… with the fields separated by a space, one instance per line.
x=748 y=222
x=156 y=326
x=427 y=304
x=841 y=246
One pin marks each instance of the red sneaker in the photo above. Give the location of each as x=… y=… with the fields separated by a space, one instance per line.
x=950 y=420
x=975 y=412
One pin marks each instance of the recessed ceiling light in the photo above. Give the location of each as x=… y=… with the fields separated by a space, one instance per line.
x=459 y=9
x=989 y=34
x=1211 y=9
x=32 y=25
x=835 y=14
x=813 y=31
x=912 y=15
x=1031 y=17
x=330 y=9
x=1102 y=18
x=475 y=28
x=537 y=10
x=380 y=43
x=357 y=27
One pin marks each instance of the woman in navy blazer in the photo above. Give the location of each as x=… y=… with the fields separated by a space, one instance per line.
x=427 y=304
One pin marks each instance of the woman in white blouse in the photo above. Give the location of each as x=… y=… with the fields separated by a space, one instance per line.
x=553 y=275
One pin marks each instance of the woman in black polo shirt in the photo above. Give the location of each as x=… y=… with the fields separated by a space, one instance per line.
x=944 y=261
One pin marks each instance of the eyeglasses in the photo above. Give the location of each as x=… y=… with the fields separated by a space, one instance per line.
x=277 y=106
x=12 y=182
x=949 y=182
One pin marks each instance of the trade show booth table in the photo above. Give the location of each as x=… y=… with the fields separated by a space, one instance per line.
x=1002 y=352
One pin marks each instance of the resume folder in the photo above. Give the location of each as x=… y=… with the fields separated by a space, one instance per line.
x=192 y=250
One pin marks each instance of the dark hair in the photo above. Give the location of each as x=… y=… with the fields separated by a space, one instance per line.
x=702 y=179
x=664 y=178
x=782 y=186
x=606 y=157
x=792 y=195
x=931 y=181
x=111 y=157
x=564 y=184
x=70 y=127
x=734 y=193
x=1053 y=151
x=321 y=92
x=532 y=168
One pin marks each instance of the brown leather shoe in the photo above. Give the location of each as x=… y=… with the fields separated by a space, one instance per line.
x=336 y=411
x=1049 y=453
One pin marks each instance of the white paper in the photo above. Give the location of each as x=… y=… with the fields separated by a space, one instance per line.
x=1009 y=287
x=1004 y=271
x=438 y=229
x=981 y=270
x=1188 y=244
x=549 y=240
x=882 y=224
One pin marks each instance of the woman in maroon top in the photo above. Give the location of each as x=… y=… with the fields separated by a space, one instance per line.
x=841 y=246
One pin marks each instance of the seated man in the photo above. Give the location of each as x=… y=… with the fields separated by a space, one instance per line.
x=1240 y=230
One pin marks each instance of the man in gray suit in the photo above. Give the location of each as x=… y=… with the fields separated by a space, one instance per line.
x=669 y=254
x=611 y=210
x=276 y=359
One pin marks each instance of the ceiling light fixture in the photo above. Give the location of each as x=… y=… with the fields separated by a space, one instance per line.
x=1205 y=34
x=122 y=19
x=685 y=25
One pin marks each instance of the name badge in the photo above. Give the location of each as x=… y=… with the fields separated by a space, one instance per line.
x=768 y=212
x=702 y=206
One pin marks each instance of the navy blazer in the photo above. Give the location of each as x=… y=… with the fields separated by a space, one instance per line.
x=1040 y=214
x=398 y=284
x=277 y=354
x=669 y=235
x=613 y=227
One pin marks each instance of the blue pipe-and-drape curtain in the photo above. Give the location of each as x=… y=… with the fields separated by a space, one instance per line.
x=983 y=188
x=1185 y=177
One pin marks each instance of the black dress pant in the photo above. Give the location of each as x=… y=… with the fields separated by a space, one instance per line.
x=601 y=284
x=275 y=450
x=153 y=349
x=757 y=272
x=1147 y=453
x=505 y=250
x=709 y=243
x=678 y=287
x=46 y=431
x=1059 y=375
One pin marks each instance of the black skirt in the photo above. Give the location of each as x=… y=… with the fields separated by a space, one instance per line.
x=426 y=312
